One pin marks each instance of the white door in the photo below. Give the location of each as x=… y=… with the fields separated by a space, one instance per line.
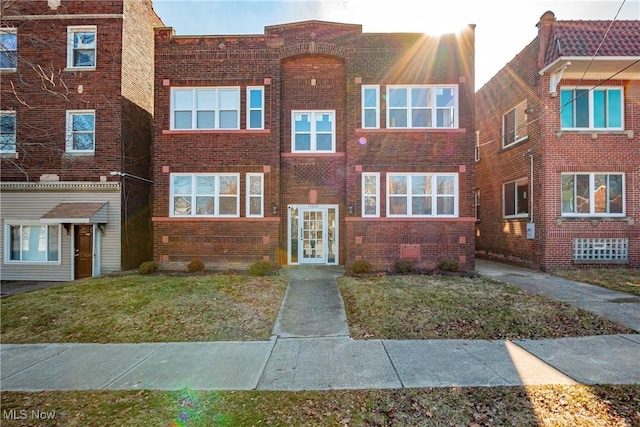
x=313 y=236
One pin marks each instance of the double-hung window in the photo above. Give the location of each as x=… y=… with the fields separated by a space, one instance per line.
x=371 y=107
x=33 y=243
x=593 y=194
x=516 y=198
x=420 y=106
x=585 y=108
x=371 y=194
x=205 y=108
x=514 y=125
x=81 y=46
x=422 y=195
x=81 y=129
x=255 y=194
x=205 y=195
x=255 y=107
x=7 y=132
x=8 y=49
x=313 y=131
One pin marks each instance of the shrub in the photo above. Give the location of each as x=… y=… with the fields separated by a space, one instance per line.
x=195 y=265
x=361 y=266
x=148 y=267
x=448 y=265
x=403 y=266
x=260 y=268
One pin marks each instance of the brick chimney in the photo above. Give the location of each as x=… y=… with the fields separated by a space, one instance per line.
x=544 y=34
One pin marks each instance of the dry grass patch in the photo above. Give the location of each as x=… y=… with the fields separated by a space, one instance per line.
x=146 y=309
x=577 y=405
x=429 y=307
x=618 y=279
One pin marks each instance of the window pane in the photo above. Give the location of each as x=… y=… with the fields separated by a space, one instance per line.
x=182 y=205
x=83 y=141
x=182 y=120
x=582 y=108
x=370 y=205
x=398 y=118
x=599 y=109
x=370 y=98
x=205 y=185
x=509 y=199
x=302 y=123
x=446 y=205
x=255 y=98
x=83 y=122
x=509 y=127
x=84 y=40
x=567 y=194
x=84 y=58
x=397 y=98
x=229 y=99
x=398 y=185
x=398 y=205
x=419 y=118
x=421 y=205
x=615 y=194
x=444 y=118
x=600 y=193
x=370 y=117
x=255 y=119
x=419 y=97
x=15 y=243
x=228 y=205
x=582 y=194
x=205 y=119
x=444 y=97
x=255 y=185
x=566 y=112
x=228 y=185
x=182 y=99
x=8 y=41
x=303 y=142
x=420 y=185
x=323 y=123
x=205 y=99
x=205 y=205
x=181 y=185
x=446 y=185
x=34 y=243
x=228 y=119
x=324 y=142
x=370 y=186
x=521 y=195
x=255 y=205
x=8 y=60
x=615 y=108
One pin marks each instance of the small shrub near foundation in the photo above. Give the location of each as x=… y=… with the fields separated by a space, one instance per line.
x=148 y=267
x=361 y=266
x=448 y=265
x=195 y=266
x=403 y=266
x=260 y=268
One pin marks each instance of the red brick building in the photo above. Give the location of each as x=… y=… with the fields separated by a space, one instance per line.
x=76 y=106
x=314 y=143
x=558 y=170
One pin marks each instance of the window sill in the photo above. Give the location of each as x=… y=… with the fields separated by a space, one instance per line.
x=9 y=155
x=514 y=144
x=518 y=218
x=409 y=130
x=73 y=69
x=8 y=70
x=213 y=131
x=600 y=261
x=595 y=219
x=70 y=155
x=594 y=133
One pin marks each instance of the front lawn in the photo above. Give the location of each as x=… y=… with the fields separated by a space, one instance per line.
x=618 y=279
x=136 y=308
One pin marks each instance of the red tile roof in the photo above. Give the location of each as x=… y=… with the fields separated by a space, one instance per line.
x=582 y=38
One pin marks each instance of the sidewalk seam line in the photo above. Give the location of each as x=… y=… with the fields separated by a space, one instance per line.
x=264 y=368
x=72 y=345
x=105 y=387
x=392 y=364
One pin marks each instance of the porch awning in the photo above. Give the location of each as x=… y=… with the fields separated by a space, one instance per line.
x=77 y=213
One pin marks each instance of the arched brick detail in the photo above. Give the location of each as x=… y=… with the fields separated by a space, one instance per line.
x=314 y=48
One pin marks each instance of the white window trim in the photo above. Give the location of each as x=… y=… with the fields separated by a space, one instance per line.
x=515 y=199
x=517 y=126
x=7 y=242
x=249 y=196
x=71 y=30
x=194 y=110
x=216 y=196
x=313 y=132
x=434 y=108
x=7 y=30
x=477 y=147
x=377 y=106
x=434 y=195
x=376 y=175
x=69 y=133
x=592 y=203
x=250 y=109
x=590 y=91
x=15 y=139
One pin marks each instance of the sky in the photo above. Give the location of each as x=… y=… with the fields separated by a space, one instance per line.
x=503 y=27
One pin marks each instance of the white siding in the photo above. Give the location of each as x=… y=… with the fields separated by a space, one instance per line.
x=31 y=201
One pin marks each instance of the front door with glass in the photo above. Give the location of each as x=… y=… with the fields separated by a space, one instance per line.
x=312 y=234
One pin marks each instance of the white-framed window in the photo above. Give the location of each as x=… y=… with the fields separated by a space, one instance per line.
x=32 y=242
x=370 y=194
x=81 y=131
x=515 y=197
x=476 y=203
x=207 y=194
x=255 y=195
x=81 y=46
x=205 y=108
x=7 y=132
x=422 y=106
x=371 y=106
x=586 y=249
x=255 y=107
x=422 y=194
x=586 y=108
x=593 y=194
x=477 y=150
x=514 y=125
x=313 y=131
x=8 y=48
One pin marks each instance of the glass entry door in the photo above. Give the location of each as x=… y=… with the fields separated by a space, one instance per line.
x=313 y=236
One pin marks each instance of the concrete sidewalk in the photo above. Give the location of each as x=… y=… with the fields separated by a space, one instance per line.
x=311 y=350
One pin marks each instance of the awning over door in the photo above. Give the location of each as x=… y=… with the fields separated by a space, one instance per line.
x=77 y=213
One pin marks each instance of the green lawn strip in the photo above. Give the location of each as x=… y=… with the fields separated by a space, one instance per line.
x=449 y=307
x=617 y=279
x=577 y=405
x=139 y=308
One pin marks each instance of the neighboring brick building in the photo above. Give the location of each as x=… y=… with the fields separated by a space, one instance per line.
x=76 y=104
x=314 y=143
x=558 y=176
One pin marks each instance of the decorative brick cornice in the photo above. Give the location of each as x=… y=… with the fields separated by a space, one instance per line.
x=315 y=48
x=68 y=186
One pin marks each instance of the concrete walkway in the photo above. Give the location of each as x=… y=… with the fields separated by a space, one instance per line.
x=311 y=350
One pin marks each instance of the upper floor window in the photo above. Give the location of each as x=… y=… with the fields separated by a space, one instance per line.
x=590 y=194
x=205 y=108
x=601 y=108
x=7 y=132
x=514 y=125
x=516 y=198
x=81 y=129
x=422 y=194
x=371 y=194
x=255 y=194
x=371 y=107
x=313 y=131
x=30 y=242
x=205 y=195
x=255 y=107
x=81 y=47
x=8 y=49
x=422 y=106
x=477 y=150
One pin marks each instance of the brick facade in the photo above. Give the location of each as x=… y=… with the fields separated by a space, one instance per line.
x=315 y=67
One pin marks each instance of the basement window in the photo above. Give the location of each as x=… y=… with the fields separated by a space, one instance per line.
x=616 y=250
